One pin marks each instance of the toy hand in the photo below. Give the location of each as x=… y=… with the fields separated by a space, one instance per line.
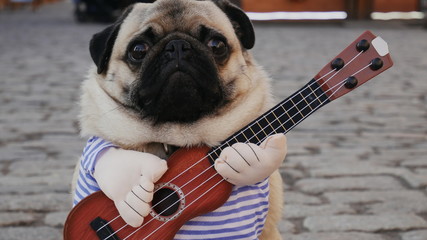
x=247 y=163
x=127 y=177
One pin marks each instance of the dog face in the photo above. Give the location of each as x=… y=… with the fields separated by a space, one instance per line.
x=173 y=67
x=170 y=61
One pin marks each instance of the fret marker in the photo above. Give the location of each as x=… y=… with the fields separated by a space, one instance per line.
x=376 y=64
x=350 y=82
x=363 y=45
x=337 y=64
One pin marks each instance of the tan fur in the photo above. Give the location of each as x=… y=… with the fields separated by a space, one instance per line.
x=102 y=116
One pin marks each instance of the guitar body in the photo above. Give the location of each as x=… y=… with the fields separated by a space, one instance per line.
x=96 y=210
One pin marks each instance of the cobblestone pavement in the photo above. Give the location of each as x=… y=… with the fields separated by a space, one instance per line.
x=356 y=169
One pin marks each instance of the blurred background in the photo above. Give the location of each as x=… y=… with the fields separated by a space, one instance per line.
x=107 y=11
x=355 y=170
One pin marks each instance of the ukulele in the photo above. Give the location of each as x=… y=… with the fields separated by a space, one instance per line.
x=186 y=190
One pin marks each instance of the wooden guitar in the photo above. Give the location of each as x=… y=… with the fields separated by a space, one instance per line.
x=186 y=189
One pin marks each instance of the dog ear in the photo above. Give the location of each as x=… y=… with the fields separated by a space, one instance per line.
x=101 y=44
x=241 y=23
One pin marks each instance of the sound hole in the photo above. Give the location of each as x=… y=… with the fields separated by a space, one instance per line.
x=165 y=201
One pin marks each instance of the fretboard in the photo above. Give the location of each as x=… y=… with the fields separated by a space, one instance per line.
x=280 y=119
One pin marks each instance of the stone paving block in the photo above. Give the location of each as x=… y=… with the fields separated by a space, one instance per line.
x=369 y=168
x=418 y=180
x=406 y=196
x=300 y=198
x=396 y=206
x=30 y=233
x=40 y=168
x=72 y=156
x=53 y=180
x=8 y=135
x=336 y=236
x=17 y=152
x=415 y=235
x=64 y=127
x=292 y=173
x=366 y=223
x=56 y=219
x=286 y=227
x=319 y=185
x=23 y=117
x=36 y=202
x=16 y=218
x=301 y=211
x=377 y=142
x=403 y=153
x=27 y=189
x=60 y=141
x=315 y=161
x=69 y=115
x=354 y=168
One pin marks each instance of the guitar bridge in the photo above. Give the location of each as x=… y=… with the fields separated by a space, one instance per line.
x=103 y=230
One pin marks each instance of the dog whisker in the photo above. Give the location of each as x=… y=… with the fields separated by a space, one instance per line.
x=112 y=110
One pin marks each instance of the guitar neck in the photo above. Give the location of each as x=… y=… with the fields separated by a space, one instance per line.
x=281 y=118
x=364 y=58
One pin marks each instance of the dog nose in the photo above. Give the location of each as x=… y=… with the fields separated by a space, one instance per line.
x=178 y=49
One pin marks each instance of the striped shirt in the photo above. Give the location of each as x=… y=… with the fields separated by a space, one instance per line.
x=241 y=217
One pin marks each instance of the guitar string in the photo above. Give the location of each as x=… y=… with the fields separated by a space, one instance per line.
x=204 y=193
x=226 y=143
x=304 y=117
x=118 y=230
x=152 y=232
x=196 y=188
x=351 y=60
x=222 y=145
x=272 y=110
x=247 y=127
x=342 y=84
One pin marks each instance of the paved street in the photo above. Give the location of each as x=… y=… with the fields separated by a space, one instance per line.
x=355 y=170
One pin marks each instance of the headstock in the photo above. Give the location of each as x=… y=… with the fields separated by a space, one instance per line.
x=363 y=59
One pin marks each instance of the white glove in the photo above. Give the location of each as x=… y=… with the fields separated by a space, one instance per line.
x=247 y=163
x=127 y=177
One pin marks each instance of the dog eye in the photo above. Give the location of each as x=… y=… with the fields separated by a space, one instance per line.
x=218 y=46
x=138 y=52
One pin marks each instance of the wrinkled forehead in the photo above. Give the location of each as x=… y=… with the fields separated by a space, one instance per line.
x=167 y=16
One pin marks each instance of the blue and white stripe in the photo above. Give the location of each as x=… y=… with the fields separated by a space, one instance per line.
x=241 y=217
x=86 y=183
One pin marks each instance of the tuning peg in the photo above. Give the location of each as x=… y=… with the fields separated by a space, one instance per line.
x=337 y=64
x=351 y=82
x=376 y=64
x=362 y=45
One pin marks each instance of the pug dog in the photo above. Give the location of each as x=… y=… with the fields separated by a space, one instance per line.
x=178 y=73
